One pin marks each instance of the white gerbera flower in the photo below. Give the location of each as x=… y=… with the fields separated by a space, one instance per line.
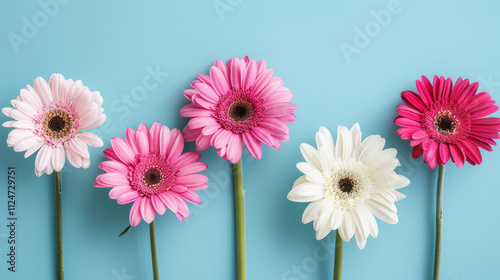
x=348 y=183
x=49 y=116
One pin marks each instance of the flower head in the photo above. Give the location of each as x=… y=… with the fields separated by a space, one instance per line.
x=348 y=183
x=446 y=121
x=149 y=169
x=240 y=102
x=49 y=116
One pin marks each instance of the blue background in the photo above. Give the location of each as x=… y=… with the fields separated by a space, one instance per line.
x=110 y=45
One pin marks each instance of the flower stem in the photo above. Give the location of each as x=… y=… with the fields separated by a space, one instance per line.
x=239 y=196
x=59 y=229
x=439 y=223
x=339 y=257
x=154 y=255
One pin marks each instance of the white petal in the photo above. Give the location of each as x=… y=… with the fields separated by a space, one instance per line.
x=306 y=192
x=326 y=160
x=356 y=140
x=370 y=220
x=346 y=230
x=91 y=139
x=312 y=173
x=370 y=147
x=323 y=232
x=43 y=158
x=43 y=89
x=381 y=211
x=6 y=111
x=397 y=194
x=300 y=180
x=26 y=144
x=324 y=139
x=23 y=124
x=360 y=240
x=311 y=212
x=343 y=150
x=33 y=149
x=383 y=160
x=26 y=108
x=311 y=155
x=361 y=223
x=59 y=158
x=337 y=218
x=8 y=123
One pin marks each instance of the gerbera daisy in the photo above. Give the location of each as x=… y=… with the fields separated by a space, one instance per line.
x=149 y=169
x=240 y=102
x=48 y=118
x=347 y=183
x=447 y=121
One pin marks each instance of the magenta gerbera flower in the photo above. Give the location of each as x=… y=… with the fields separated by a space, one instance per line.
x=240 y=102
x=446 y=121
x=149 y=169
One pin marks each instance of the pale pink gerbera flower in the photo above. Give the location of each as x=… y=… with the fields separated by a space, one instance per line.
x=446 y=121
x=240 y=102
x=149 y=169
x=49 y=117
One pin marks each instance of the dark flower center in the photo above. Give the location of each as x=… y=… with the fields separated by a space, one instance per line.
x=445 y=125
x=56 y=124
x=153 y=177
x=346 y=185
x=240 y=111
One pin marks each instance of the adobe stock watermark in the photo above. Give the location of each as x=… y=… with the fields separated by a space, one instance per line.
x=488 y=84
x=31 y=26
x=223 y=6
x=121 y=276
x=323 y=251
x=126 y=102
x=363 y=36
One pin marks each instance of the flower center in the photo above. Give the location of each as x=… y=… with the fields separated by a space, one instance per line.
x=152 y=174
x=348 y=183
x=57 y=124
x=445 y=123
x=153 y=177
x=240 y=111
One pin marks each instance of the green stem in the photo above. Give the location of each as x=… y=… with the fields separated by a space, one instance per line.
x=154 y=255
x=239 y=196
x=439 y=223
x=59 y=227
x=339 y=257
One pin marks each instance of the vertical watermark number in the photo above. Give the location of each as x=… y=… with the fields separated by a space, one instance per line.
x=11 y=218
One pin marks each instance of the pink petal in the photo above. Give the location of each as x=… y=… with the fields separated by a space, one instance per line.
x=262 y=135
x=122 y=150
x=135 y=213
x=191 y=196
x=235 y=72
x=147 y=210
x=219 y=81
x=192 y=168
x=207 y=93
x=234 y=148
x=158 y=205
x=142 y=142
x=114 y=179
x=191 y=180
x=177 y=146
x=116 y=192
x=457 y=155
x=192 y=110
x=169 y=201
x=128 y=197
x=280 y=109
x=252 y=144
x=251 y=74
x=444 y=153
x=186 y=159
x=154 y=144
x=263 y=80
x=114 y=166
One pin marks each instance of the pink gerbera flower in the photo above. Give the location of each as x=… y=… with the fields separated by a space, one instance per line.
x=447 y=121
x=240 y=102
x=149 y=169
x=48 y=118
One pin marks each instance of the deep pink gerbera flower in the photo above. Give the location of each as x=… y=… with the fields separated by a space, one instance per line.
x=149 y=169
x=447 y=121
x=240 y=102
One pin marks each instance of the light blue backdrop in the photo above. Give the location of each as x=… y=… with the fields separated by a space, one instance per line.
x=338 y=76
